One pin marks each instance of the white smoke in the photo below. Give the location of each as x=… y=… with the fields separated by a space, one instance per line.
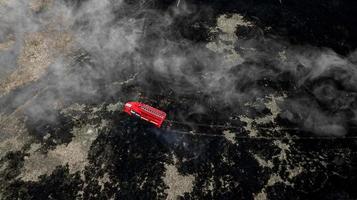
x=117 y=44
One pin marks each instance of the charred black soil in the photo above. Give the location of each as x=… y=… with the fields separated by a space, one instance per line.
x=129 y=159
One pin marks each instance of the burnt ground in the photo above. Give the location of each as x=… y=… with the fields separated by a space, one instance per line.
x=77 y=144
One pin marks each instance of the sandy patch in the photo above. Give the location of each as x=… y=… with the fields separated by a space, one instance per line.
x=74 y=154
x=7 y=44
x=13 y=134
x=38 y=5
x=262 y=162
x=177 y=183
x=229 y=136
x=225 y=43
x=37 y=54
x=271 y=103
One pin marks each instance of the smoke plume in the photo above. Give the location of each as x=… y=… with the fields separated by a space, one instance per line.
x=111 y=41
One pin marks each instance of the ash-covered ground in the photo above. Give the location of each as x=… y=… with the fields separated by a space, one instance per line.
x=262 y=95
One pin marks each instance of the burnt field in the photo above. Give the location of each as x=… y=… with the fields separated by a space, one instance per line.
x=260 y=98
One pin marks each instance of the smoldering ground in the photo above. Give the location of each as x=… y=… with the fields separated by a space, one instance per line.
x=63 y=134
x=109 y=44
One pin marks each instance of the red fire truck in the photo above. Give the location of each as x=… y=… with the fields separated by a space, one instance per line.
x=145 y=112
